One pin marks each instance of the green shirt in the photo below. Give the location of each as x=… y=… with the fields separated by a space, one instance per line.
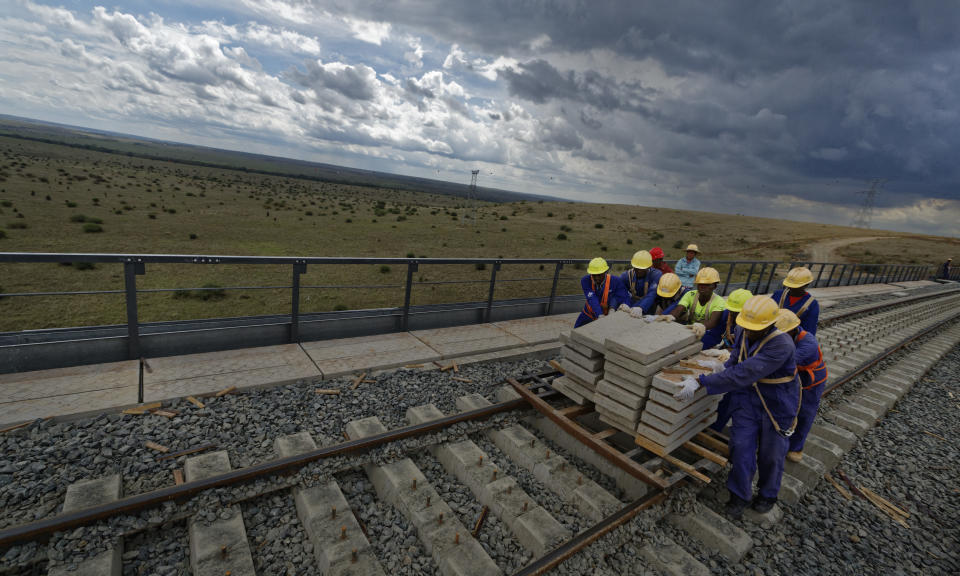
x=700 y=313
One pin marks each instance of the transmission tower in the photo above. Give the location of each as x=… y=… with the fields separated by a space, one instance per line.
x=864 y=216
x=472 y=196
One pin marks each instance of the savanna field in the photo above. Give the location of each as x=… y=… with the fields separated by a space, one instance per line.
x=56 y=198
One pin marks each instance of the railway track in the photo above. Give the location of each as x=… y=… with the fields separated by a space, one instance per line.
x=488 y=489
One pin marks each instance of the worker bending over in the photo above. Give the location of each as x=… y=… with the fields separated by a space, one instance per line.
x=794 y=297
x=729 y=331
x=761 y=379
x=813 y=374
x=669 y=293
x=603 y=291
x=657 y=254
x=688 y=267
x=641 y=281
x=702 y=308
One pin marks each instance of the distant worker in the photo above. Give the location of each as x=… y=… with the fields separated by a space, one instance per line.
x=795 y=298
x=669 y=293
x=702 y=308
x=761 y=379
x=603 y=291
x=657 y=254
x=813 y=374
x=728 y=335
x=944 y=270
x=688 y=267
x=641 y=281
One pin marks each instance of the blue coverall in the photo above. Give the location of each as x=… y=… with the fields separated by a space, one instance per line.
x=753 y=439
x=687 y=271
x=713 y=336
x=673 y=301
x=813 y=374
x=809 y=317
x=594 y=294
x=645 y=288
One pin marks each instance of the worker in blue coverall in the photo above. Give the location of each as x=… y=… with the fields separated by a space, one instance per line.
x=795 y=298
x=687 y=268
x=813 y=374
x=728 y=323
x=761 y=378
x=702 y=308
x=669 y=293
x=641 y=281
x=603 y=291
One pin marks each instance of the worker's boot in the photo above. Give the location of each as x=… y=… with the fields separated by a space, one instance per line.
x=762 y=505
x=735 y=506
x=795 y=456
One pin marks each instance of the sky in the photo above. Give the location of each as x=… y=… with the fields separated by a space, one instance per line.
x=786 y=109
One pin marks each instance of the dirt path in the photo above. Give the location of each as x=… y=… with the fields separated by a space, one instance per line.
x=825 y=251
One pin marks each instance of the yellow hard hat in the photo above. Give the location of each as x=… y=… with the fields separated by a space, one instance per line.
x=736 y=299
x=786 y=320
x=707 y=275
x=797 y=277
x=668 y=285
x=641 y=260
x=693 y=247
x=597 y=266
x=758 y=312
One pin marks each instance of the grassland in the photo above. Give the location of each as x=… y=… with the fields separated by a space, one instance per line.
x=56 y=198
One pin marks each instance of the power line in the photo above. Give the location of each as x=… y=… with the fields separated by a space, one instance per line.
x=864 y=217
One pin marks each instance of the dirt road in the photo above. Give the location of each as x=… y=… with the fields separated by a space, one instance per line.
x=825 y=251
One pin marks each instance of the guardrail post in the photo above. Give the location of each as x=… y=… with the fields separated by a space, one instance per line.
x=833 y=269
x=493 y=286
x=405 y=319
x=726 y=284
x=298 y=269
x=553 y=288
x=770 y=278
x=746 y=283
x=843 y=272
x=816 y=283
x=132 y=269
x=759 y=278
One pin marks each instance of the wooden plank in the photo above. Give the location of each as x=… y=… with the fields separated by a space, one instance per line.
x=843 y=491
x=459 y=379
x=225 y=391
x=142 y=408
x=605 y=433
x=718 y=435
x=166 y=413
x=701 y=451
x=577 y=410
x=178 y=476
x=713 y=443
x=196 y=402
x=358 y=380
x=608 y=452
x=556 y=366
x=328 y=391
x=659 y=451
x=154 y=446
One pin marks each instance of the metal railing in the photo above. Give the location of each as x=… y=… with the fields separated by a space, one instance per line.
x=758 y=276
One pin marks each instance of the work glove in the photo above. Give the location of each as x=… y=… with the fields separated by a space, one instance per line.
x=650 y=319
x=712 y=365
x=636 y=312
x=712 y=352
x=690 y=386
x=665 y=318
x=724 y=356
x=698 y=329
x=623 y=308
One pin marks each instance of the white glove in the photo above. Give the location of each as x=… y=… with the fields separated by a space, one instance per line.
x=623 y=308
x=713 y=365
x=665 y=318
x=650 y=319
x=698 y=329
x=712 y=352
x=724 y=356
x=636 y=312
x=690 y=386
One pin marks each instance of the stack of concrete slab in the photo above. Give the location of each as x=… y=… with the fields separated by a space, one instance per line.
x=583 y=350
x=631 y=360
x=668 y=423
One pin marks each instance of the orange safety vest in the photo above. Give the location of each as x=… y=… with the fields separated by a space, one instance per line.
x=603 y=299
x=817 y=370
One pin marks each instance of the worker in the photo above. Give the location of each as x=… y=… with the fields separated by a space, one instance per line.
x=728 y=335
x=669 y=293
x=794 y=297
x=944 y=270
x=761 y=379
x=702 y=308
x=603 y=291
x=688 y=267
x=641 y=281
x=657 y=254
x=813 y=374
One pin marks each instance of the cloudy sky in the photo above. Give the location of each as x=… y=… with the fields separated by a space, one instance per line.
x=779 y=108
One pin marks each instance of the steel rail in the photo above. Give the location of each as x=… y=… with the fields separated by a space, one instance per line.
x=944 y=293
x=45 y=527
x=887 y=352
x=556 y=556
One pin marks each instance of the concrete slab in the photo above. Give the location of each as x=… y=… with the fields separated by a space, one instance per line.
x=842 y=437
x=89 y=493
x=626 y=375
x=578 y=347
x=578 y=387
x=539 y=330
x=366 y=353
x=655 y=366
x=691 y=410
x=594 y=364
x=651 y=343
x=294 y=444
x=622 y=424
x=562 y=386
x=715 y=532
x=76 y=391
x=670 y=442
x=627 y=384
x=665 y=399
x=572 y=370
x=594 y=334
x=605 y=404
x=108 y=563
x=621 y=396
x=706 y=409
x=462 y=340
x=671 y=559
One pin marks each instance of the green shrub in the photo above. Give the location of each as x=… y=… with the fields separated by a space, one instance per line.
x=561 y=236
x=340 y=307
x=3 y=234
x=481 y=266
x=17 y=225
x=629 y=241
x=571 y=216
x=91 y=228
x=504 y=218
x=71 y=204
x=193 y=236
x=678 y=244
x=598 y=225
x=6 y=203
x=411 y=255
x=84 y=265
x=78 y=218
x=686 y=223
x=211 y=292
x=152 y=216
x=549 y=214
x=384 y=269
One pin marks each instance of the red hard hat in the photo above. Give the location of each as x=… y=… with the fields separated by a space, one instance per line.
x=656 y=252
